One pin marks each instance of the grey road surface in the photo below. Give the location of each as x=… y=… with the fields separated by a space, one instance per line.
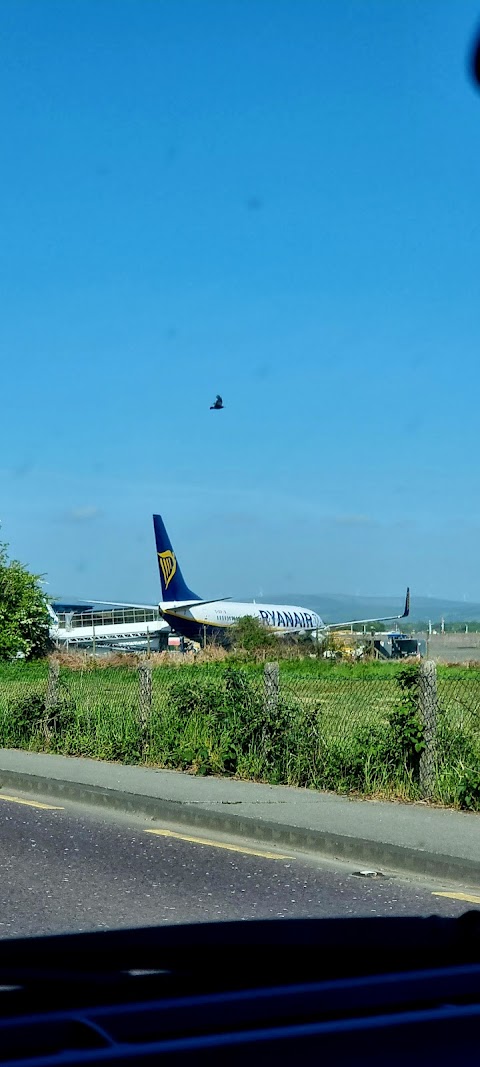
x=74 y=869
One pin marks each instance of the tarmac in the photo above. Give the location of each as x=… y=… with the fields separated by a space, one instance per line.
x=416 y=838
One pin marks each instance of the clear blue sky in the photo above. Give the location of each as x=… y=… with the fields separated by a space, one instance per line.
x=278 y=200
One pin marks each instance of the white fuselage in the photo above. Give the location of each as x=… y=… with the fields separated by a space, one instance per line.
x=219 y=615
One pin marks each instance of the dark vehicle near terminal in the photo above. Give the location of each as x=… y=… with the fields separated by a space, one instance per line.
x=395 y=645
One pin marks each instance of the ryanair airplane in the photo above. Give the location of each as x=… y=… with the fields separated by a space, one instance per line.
x=197 y=619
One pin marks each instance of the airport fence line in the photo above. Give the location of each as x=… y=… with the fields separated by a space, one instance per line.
x=409 y=731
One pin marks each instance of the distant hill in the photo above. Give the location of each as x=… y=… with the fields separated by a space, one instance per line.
x=336 y=607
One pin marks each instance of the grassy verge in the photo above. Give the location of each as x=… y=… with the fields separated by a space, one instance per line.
x=352 y=728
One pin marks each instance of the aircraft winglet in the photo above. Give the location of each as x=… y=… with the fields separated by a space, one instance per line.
x=364 y=622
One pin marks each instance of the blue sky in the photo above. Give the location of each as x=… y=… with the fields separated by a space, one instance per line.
x=275 y=200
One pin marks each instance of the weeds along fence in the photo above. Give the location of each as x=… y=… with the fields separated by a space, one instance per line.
x=410 y=731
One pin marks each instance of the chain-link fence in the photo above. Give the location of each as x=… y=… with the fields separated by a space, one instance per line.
x=405 y=730
x=455 y=732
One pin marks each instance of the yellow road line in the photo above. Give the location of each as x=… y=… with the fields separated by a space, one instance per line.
x=459 y=896
x=219 y=844
x=31 y=803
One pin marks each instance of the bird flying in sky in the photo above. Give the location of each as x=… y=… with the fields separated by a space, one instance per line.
x=218 y=405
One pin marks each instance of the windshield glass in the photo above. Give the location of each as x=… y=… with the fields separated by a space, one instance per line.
x=240 y=295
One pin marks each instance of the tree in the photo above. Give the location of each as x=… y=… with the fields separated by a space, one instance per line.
x=251 y=635
x=24 y=618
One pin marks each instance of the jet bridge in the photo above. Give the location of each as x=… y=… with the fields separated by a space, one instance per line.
x=125 y=628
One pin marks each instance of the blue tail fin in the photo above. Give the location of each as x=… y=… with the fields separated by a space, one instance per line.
x=171 y=578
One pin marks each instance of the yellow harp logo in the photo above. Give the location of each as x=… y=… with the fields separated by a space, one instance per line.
x=168 y=565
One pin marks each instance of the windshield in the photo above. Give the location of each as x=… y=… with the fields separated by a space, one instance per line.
x=240 y=296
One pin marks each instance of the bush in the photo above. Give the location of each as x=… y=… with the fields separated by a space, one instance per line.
x=469 y=789
x=407 y=742
x=26 y=722
x=252 y=636
x=22 y=721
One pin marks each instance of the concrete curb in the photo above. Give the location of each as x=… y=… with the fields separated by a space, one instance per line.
x=377 y=854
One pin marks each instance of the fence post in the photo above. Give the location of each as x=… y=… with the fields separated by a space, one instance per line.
x=271 y=678
x=145 y=700
x=428 y=708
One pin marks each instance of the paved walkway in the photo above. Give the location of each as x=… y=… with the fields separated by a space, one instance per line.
x=413 y=837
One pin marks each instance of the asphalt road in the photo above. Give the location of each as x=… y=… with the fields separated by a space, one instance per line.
x=75 y=869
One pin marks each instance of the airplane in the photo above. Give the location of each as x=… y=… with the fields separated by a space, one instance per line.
x=197 y=619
